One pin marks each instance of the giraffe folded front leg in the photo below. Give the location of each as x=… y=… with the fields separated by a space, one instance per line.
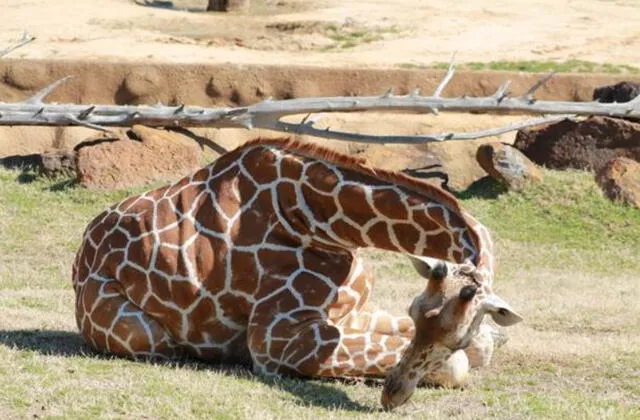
x=110 y=323
x=316 y=348
x=379 y=321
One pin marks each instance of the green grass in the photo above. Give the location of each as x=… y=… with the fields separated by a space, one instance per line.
x=567 y=218
x=345 y=37
x=536 y=66
x=568 y=262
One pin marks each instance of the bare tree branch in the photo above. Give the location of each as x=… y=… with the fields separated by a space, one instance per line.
x=26 y=38
x=77 y=121
x=529 y=95
x=308 y=129
x=43 y=93
x=447 y=77
x=269 y=113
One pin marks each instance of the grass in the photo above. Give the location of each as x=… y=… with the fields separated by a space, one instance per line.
x=345 y=37
x=568 y=262
x=536 y=66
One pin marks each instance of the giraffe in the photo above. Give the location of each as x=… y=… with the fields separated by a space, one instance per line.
x=255 y=259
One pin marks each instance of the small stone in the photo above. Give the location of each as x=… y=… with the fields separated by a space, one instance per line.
x=508 y=165
x=620 y=181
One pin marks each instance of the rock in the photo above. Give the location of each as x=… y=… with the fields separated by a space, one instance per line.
x=587 y=144
x=620 y=92
x=58 y=162
x=507 y=165
x=458 y=159
x=620 y=180
x=154 y=155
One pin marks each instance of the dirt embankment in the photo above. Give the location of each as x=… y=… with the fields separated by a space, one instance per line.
x=228 y=84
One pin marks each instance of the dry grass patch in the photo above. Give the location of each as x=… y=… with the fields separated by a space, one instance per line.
x=568 y=263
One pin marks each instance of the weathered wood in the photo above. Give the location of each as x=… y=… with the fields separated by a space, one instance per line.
x=268 y=114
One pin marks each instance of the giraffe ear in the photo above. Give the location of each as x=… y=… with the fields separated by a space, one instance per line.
x=500 y=311
x=429 y=267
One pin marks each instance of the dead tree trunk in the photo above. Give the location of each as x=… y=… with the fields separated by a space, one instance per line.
x=217 y=6
x=227 y=5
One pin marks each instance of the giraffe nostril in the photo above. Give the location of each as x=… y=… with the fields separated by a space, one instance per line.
x=468 y=292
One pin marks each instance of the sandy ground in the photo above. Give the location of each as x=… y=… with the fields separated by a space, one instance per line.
x=329 y=32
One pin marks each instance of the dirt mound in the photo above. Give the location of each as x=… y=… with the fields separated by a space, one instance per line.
x=587 y=144
x=152 y=155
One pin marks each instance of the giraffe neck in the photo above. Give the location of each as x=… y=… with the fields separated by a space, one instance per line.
x=344 y=207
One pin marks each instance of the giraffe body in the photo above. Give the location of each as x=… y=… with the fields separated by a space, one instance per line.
x=254 y=259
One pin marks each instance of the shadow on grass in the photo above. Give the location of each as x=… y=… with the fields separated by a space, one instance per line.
x=55 y=343
x=59 y=186
x=314 y=392
x=486 y=187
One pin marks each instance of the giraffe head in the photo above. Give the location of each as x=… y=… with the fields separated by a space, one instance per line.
x=447 y=315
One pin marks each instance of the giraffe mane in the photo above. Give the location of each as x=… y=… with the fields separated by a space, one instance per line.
x=361 y=166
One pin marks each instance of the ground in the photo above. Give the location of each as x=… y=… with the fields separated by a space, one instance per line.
x=371 y=32
x=567 y=257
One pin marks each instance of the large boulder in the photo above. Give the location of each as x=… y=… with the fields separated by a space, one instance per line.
x=620 y=92
x=587 y=144
x=143 y=156
x=58 y=162
x=508 y=165
x=620 y=180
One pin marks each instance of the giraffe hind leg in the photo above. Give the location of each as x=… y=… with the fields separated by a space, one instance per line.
x=110 y=323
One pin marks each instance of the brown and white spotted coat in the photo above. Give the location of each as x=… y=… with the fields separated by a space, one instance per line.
x=254 y=258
